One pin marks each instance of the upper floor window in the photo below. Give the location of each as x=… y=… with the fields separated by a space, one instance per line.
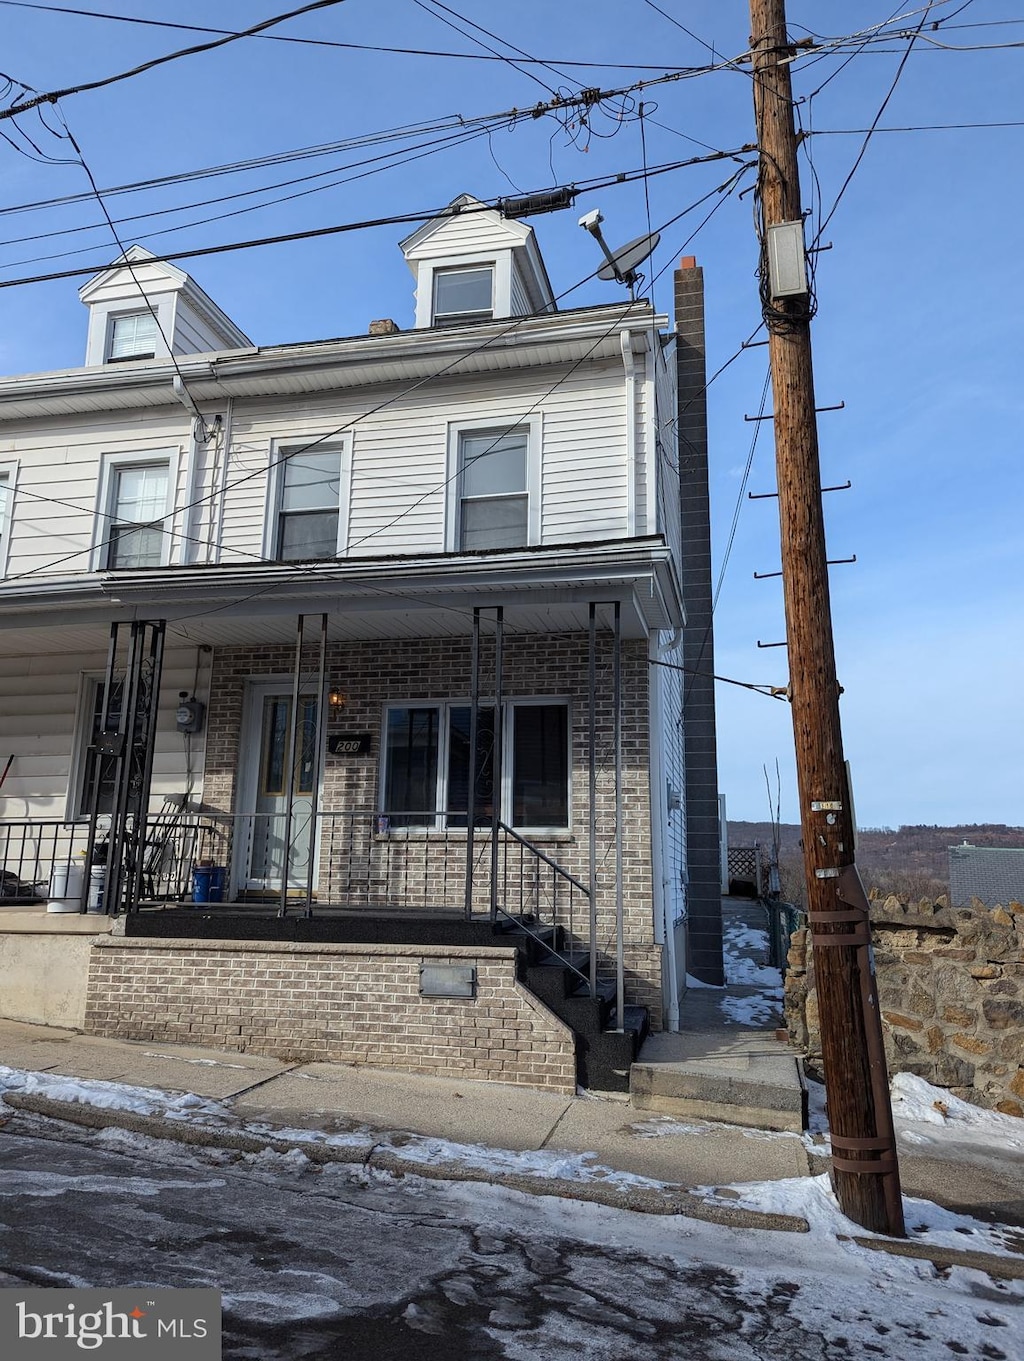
x=133 y=336
x=493 y=489
x=308 y=517
x=138 y=505
x=462 y=295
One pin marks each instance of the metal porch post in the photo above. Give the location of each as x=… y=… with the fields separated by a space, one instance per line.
x=496 y=789
x=474 y=709
x=318 y=742
x=620 y=989
x=592 y=774
x=289 y=766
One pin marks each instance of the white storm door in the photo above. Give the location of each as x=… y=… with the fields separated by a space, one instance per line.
x=269 y=728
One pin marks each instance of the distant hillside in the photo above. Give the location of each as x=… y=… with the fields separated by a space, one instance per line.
x=907 y=860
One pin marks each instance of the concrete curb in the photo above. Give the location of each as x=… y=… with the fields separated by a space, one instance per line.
x=377 y=1156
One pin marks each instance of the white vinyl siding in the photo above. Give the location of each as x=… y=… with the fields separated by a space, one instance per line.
x=40 y=699
x=396 y=485
x=401 y=484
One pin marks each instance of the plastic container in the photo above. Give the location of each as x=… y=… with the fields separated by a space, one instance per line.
x=208 y=884
x=66 y=887
x=97 y=885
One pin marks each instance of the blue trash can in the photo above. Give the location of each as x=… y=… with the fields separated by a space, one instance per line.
x=202 y=883
x=217 y=884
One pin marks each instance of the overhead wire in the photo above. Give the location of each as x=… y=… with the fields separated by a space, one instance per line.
x=51 y=96
x=515 y=324
x=509 y=61
x=325 y=42
x=407 y=156
x=580 y=187
x=202 y=432
x=864 y=146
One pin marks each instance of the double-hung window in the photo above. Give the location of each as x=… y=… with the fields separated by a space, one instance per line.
x=308 y=504
x=463 y=295
x=138 y=508
x=133 y=336
x=428 y=765
x=494 y=503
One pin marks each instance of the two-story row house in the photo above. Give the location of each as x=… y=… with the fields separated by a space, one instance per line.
x=374 y=639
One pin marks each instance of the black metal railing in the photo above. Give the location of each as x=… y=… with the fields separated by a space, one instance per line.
x=363 y=859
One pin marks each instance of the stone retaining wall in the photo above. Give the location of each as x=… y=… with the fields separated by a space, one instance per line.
x=330 y=1003
x=951 y=988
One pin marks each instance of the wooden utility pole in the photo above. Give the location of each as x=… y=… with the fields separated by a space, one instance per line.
x=865 y=1169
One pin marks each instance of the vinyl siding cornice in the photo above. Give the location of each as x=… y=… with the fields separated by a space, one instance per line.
x=362 y=361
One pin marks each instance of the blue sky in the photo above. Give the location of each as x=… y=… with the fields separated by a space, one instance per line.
x=919 y=298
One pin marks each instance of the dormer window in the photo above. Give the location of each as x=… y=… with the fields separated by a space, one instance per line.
x=463 y=295
x=133 y=336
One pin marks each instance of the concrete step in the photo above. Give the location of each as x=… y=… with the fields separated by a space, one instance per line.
x=745 y=1078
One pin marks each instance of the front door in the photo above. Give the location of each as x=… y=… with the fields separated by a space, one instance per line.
x=269 y=730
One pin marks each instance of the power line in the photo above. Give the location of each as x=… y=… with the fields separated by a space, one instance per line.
x=771 y=691
x=44 y=568
x=405 y=156
x=130 y=266
x=52 y=96
x=877 y=118
x=917 y=127
x=501 y=56
x=560 y=104
x=582 y=187
x=329 y=42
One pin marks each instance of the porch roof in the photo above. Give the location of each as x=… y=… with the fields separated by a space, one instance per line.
x=542 y=590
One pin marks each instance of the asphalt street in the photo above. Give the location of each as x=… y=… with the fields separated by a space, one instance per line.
x=340 y=1263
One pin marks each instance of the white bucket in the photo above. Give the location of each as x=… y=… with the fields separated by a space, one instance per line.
x=66 y=887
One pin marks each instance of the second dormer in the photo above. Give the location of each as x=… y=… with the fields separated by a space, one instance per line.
x=144 y=308
x=471 y=264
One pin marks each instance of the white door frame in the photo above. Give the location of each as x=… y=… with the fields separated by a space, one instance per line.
x=257 y=689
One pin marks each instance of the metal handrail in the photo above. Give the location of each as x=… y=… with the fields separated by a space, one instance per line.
x=536 y=850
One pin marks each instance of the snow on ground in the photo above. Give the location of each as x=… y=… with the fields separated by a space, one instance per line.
x=852 y=1296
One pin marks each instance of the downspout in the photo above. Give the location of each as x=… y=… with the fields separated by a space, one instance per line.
x=219 y=475
x=659 y=876
x=629 y=364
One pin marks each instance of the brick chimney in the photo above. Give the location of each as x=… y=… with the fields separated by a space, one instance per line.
x=384 y=327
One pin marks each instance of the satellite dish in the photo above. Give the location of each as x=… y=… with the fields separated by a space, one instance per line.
x=623 y=262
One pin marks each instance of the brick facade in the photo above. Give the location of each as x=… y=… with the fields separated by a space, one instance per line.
x=329 y=1003
x=373 y=674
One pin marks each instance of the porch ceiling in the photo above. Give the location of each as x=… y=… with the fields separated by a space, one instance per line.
x=278 y=627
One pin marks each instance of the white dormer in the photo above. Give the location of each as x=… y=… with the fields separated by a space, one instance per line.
x=144 y=311
x=472 y=264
